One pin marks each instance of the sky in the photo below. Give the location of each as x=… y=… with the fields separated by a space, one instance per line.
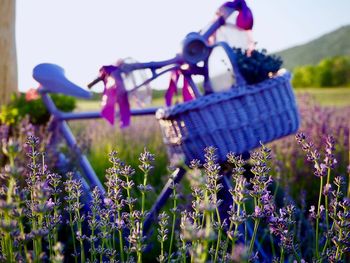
x=83 y=35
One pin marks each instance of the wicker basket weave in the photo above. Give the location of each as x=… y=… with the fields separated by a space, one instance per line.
x=234 y=121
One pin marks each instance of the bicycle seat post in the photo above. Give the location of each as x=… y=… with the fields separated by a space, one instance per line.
x=60 y=123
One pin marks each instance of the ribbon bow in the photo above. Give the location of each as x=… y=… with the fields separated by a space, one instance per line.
x=244 y=19
x=172 y=89
x=113 y=93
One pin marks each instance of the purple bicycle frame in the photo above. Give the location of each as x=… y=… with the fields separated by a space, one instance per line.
x=195 y=49
x=61 y=118
x=90 y=179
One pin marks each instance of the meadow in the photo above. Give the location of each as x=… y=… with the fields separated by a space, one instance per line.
x=332 y=96
x=290 y=201
x=285 y=201
x=103 y=138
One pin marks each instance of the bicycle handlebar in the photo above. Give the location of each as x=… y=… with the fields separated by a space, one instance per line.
x=193 y=41
x=94 y=82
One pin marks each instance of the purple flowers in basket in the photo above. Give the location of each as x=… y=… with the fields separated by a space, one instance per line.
x=257 y=66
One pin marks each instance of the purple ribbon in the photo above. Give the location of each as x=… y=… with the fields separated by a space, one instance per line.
x=187 y=95
x=244 y=19
x=172 y=89
x=114 y=92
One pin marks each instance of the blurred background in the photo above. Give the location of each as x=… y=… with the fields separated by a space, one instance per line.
x=83 y=35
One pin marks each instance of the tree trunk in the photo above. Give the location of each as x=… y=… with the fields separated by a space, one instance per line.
x=8 y=58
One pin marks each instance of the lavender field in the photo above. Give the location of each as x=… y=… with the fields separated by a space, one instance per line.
x=290 y=201
x=174 y=132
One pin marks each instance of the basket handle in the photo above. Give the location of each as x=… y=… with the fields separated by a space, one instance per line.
x=233 y=59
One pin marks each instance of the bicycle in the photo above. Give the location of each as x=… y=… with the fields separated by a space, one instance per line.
x=194 y=59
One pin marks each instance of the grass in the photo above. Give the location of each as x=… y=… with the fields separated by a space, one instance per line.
x=101 y=139
x=334 y=96
x=129 y=142
x=199 y=226
x=88 y=105
x=91 y=105
x=289 y=161
x=106 y=138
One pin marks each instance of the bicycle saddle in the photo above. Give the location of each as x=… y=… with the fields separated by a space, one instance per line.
x=53 y=79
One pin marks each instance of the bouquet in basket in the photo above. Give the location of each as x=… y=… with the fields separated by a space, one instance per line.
x=249 y=102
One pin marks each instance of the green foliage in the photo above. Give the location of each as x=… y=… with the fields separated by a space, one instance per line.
x=303 y=76
x=19 y=107
x=158 y=94
x=323 y=73
x=335 y=43
x=8 y=115
x=330 y=72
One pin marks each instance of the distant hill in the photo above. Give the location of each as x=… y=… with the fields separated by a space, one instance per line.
x=335 y=43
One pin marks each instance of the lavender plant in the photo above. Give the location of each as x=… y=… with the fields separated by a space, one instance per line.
x=114 y=193
x=33 y=212
x=173 y=211
x=73 y=189
x=28 y=214
x=317 y=122
x=321 y=169
x=239 y=194
x=163 y=219
x=93 y=222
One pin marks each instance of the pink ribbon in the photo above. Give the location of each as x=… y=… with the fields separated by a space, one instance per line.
x=187 y=94
x=114 y=92
x=244 y=19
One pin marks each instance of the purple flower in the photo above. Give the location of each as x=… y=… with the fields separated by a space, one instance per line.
x=281 y=225
x=312 y=212
x=300 y=137
x=146 y=159
x=329 y=159
x=327 y=189
x=320 y=169
x=50 y=204
x=107 y=202
x=258 y=213
x=268 y=203
x=322 y=209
